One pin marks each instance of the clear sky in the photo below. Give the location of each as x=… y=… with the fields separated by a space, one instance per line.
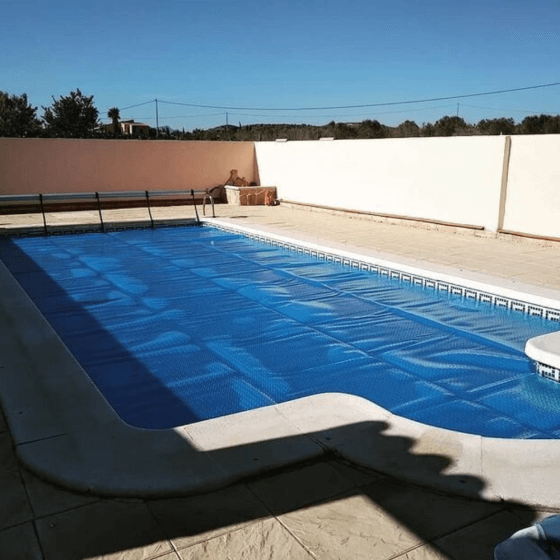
x=268 y=54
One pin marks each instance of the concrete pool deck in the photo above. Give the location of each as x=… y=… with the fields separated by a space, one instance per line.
x=48 y=439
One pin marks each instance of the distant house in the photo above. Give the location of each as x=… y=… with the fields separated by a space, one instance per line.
x=128 y=128
x=132 y=128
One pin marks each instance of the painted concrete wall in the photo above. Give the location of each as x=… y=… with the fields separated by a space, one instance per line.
x=41 y=165
x=454 y=180
x=533 y=193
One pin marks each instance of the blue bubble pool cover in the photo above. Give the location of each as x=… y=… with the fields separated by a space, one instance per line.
x=178 y=325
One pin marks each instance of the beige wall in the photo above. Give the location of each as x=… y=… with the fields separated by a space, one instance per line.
x=455 y=180
x=533 y=193
x=59 y=165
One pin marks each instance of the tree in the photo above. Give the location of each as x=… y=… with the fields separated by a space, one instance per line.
x=372 y=129
x=114 y=114
x=496 y=126
x=17 y=117
x=165 y=133
x=542 y=124
x=407 y=129
x=344 y=131
x=428 y=130
x=74 y=116
x=449 y=126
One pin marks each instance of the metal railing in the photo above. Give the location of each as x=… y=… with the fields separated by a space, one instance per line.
x=41 y=200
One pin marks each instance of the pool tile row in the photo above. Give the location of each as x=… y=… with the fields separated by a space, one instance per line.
x=429 y=283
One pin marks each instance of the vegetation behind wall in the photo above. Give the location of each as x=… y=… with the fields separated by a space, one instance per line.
x=75 y=116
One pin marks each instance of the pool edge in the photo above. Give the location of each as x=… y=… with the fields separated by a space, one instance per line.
x=103 y=455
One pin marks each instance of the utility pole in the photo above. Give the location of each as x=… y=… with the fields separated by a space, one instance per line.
x=457 y=109
x=157 y=121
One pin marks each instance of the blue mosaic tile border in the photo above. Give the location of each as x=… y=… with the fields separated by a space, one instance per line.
x=417 y=280
x=549 y=372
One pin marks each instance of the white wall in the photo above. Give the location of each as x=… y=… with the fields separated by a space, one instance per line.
x=533 y=194
x=454 y=180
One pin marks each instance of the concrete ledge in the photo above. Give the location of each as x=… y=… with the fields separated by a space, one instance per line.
x=494 y=469
x=545 y=349
x=66 y=432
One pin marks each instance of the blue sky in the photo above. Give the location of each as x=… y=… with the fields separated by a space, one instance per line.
x=285 y=54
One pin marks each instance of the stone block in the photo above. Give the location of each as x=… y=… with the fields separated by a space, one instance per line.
x=250 y=196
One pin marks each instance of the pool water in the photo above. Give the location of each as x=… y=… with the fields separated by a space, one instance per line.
x=178 y=325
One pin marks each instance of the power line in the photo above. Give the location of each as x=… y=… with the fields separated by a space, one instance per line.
x=354 y=115
x=364 y=105
x=178 y=116
x=191 y=116
x=358 y=115
x=138 y=105
x=302 y=116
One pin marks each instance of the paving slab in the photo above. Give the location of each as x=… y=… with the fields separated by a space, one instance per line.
x=429 y=514
x=3 y=425
x=298 y=488
x=48 y=499
x=424 y=552
x=20 y=543
x=357 y=475
x=14 y=508
x=107 y=530
x=351 y=526
x=479 y=539
x=8 y=460
x=196 y=519
x=265 y=539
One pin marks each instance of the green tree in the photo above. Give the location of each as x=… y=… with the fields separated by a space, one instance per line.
x=114 y=114
x=428 y=130
x=449 y=126
x=73 y=116
x=553 y=125
x=372 y=129
x=344 y=131
x=17 y=117
x=496 y=126
x=407 y=129
x=541 y=124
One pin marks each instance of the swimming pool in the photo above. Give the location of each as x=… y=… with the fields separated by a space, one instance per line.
x=180 y=325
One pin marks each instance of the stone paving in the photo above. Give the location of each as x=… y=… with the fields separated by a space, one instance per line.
x=326 y=509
